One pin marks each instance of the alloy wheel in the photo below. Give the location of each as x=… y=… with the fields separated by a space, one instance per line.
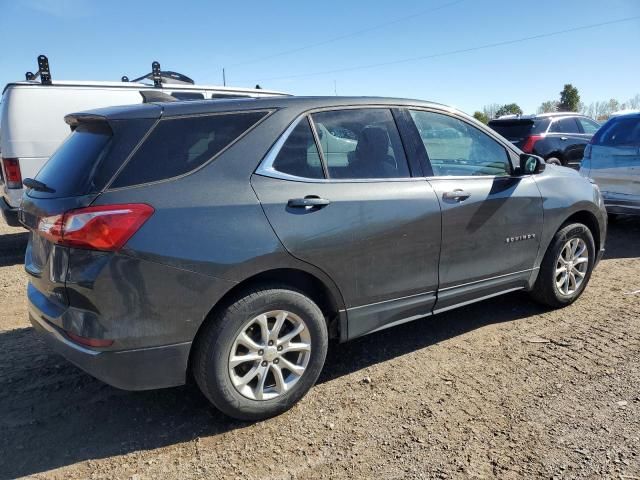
x=571 y=266
x=269 y=355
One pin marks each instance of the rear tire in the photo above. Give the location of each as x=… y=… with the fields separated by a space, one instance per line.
x=553 y=161
x=566 y=268
x=278 y=371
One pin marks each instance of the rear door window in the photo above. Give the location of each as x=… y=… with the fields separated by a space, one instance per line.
x=564 y=125
x=180 y=145
x=361 y=144
x=69 y=169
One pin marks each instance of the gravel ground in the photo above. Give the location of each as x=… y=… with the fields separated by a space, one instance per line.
x=502 y=388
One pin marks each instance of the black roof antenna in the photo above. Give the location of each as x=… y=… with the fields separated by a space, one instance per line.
x=43 y=71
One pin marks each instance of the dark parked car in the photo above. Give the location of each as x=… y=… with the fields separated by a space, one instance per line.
x=559 y=138
x=231 y=240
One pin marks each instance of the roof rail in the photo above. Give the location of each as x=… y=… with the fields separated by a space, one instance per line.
x=557 y=114
x=43 y=71
x=159 y=77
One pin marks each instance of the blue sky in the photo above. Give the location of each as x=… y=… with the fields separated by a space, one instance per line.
x=103 y=40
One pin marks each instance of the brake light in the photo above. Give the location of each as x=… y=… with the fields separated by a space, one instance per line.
x=530 y=143
x=104 y=227
x=13 y=177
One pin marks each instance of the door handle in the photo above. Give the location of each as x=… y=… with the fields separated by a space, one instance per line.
x=310 y=201
x=458 y=195
x=564 y=138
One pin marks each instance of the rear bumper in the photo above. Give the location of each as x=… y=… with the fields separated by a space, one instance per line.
x=139 y=369
x=10 y=214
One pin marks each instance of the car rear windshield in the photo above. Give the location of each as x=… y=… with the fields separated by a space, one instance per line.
x=180 y=145
x=619 y=132
x=516 y=129
x=71 y=167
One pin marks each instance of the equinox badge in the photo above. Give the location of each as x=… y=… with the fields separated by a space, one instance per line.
x=520 y=238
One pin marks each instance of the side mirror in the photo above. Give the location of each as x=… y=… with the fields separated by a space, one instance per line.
x=531 y=164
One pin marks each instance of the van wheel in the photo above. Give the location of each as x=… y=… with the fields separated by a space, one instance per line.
x=260 y=355
x=566 y=267
x=553 y=161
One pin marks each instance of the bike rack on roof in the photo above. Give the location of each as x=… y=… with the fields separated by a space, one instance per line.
x=159 y=77
x=43 y=71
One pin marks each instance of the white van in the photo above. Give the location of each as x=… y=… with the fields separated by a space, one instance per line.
x=32 y=118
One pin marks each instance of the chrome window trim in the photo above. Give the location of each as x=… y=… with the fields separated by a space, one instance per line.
x=266 y=169
x=266 y=165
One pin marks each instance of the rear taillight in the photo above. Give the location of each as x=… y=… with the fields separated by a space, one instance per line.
x=530 y=142
x=13 y=177
x=104 y=227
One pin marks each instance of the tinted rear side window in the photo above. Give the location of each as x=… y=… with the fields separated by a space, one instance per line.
x=564 y=125
x=619 y=131
x=179 y=145
x=71 y=167
x=517 y=129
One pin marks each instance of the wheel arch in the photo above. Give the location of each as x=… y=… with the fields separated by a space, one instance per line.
x=325 y=296
x=589 y=220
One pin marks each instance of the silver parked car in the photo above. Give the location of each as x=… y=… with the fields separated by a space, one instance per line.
x=612 y=160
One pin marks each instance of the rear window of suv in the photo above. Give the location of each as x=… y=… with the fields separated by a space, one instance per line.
x=519 y=129
x=71 y=167
x=180 y=145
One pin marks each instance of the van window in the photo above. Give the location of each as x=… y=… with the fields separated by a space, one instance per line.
x=70 y=168
x=187 y=95
x=179 y=145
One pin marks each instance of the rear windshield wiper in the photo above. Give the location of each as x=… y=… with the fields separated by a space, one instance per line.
x=37 y=185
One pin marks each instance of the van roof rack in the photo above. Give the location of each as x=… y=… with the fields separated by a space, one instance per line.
x=159 y=77
x=43 y=71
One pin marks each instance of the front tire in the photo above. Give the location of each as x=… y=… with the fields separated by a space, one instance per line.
x=261 y=354
x=566 y=268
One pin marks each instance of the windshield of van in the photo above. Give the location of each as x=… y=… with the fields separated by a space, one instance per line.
x=69 y=169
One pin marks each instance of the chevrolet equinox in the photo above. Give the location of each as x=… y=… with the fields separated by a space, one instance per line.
x=228 y=241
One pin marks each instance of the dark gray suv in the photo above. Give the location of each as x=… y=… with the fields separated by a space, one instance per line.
x=230 y=240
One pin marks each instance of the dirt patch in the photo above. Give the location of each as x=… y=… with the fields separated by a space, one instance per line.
x=502 y=388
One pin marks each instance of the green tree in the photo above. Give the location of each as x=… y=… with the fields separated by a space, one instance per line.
x=569 y=99
x=548 y=107
x=509 y=109
x=481 y=116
